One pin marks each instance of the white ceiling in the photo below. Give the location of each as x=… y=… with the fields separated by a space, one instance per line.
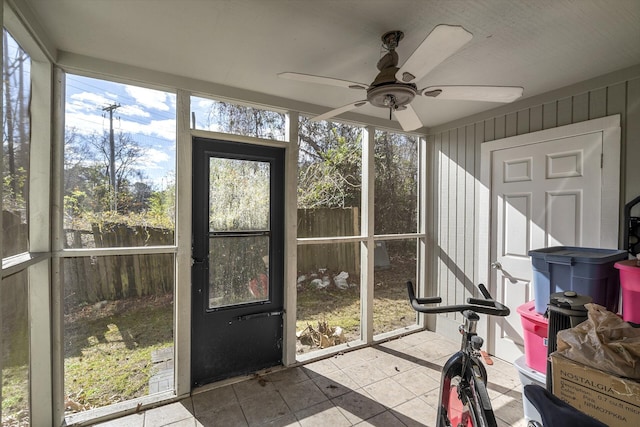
x=540 y=45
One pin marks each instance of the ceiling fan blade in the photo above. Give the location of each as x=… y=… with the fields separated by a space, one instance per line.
x=442 y=42
x=475 y=93
x=308 y=78
x=408 y=119
x=339 y=111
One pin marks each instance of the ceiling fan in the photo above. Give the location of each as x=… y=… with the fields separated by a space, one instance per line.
x=395 y=88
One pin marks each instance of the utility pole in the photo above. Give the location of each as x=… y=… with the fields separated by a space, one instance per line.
x=112 y=155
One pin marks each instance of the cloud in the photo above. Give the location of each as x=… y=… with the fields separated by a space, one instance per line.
x=153 y=159
x=165 y=129
x=149 y=98
x=132 y=111
x=90 y=101
x=93 y=99
x=85 y=123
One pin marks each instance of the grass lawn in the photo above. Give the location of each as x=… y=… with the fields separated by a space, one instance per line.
x=108 y=349
x=15 y=396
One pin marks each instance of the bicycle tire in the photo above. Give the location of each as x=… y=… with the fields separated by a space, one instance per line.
x=462 y=405
x=482 y=417
x=456 y=410
x=473 y=411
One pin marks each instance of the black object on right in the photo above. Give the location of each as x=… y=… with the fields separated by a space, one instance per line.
x=555 y=412
x=565 y=310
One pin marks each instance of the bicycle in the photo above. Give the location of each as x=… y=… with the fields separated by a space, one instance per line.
x=464 y=400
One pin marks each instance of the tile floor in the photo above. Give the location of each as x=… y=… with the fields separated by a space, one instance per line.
x=390 y=384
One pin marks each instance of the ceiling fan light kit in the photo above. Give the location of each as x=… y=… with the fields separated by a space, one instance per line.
x=394 y=88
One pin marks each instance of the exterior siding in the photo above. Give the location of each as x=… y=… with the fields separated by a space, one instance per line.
x=456 y=167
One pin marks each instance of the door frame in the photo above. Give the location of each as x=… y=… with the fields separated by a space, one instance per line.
x=610 y=195
x=204 y=148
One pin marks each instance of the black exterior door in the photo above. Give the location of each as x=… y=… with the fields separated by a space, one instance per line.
x=238 y=265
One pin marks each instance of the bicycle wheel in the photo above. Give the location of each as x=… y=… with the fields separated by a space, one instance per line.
x=458 y=411
x=480 y=414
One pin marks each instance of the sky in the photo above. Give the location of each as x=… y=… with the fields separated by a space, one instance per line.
x=148 y=115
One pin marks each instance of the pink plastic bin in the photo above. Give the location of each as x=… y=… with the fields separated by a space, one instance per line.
x=630 y=286
x=535 y=328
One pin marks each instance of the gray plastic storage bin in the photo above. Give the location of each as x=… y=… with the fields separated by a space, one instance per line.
x=587 y=271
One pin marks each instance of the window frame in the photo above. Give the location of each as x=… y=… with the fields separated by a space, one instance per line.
x=37 y=261
x=368 y=239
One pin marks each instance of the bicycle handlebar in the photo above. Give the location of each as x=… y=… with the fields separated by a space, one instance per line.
x=484 y=306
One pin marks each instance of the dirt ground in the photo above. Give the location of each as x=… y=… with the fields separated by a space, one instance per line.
x=341 y=307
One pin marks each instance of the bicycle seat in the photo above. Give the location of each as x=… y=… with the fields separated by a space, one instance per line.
x=555 y=412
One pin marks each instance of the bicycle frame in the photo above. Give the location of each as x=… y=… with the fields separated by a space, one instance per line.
x=471 y=390
x=470 y=387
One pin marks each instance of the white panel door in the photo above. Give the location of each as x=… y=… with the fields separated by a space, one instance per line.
x=545 y=191
x=544 y=194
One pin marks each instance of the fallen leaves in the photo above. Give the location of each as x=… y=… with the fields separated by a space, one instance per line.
x=323 y=336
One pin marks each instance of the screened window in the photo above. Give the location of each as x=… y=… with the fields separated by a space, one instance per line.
x=15 y=147
x=119 y=191
x=329 y=198
x=329 y=179
x=396 y=183
x=119 y=165
x=14 y=349
x=236 y=119
x=118 y=329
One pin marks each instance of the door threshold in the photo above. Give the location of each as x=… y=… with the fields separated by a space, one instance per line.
x=235 y=380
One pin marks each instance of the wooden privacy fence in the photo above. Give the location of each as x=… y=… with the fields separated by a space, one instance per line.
x=98 y=278
x=14 y=233
x=329 y=222
x=89 y=279
x=14 y=320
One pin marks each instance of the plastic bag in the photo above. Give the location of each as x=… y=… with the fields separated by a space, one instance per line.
x=604 y=341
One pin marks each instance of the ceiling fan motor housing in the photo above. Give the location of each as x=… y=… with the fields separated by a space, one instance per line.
x=391 y=95
x=386 y=91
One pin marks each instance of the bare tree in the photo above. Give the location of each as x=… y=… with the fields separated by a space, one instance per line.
x=17 y=89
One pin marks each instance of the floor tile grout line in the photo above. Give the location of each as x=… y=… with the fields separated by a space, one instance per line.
x=507 y=391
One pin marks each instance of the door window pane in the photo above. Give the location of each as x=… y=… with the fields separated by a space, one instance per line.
x=239 y=194
x=119 y=165
x=16 y=71
x=14 y=350
x=238 y=270
x=118 y=328
x=396 y=183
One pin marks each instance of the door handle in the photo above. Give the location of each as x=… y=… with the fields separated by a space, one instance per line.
x=258 y=315
x=497 y=266
x=199 y=261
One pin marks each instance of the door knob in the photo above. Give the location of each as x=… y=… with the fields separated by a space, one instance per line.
x=496 y=265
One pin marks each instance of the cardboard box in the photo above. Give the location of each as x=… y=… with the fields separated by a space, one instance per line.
x=611 y=399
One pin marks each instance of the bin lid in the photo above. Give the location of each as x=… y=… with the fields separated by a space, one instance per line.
x=528 y=311
x=629 y=265
x=569 y=300
x=579 y=254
